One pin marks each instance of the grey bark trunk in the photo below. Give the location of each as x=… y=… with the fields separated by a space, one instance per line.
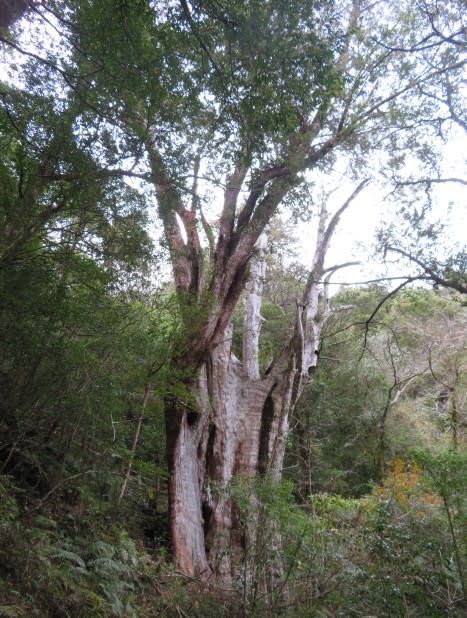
x=234 y=421
x=239 y=428
x=236 y=424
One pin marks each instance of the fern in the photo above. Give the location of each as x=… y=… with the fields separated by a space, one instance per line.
x=8 y=505
x=70 y=556
x=148 y=470
x=102 y=549
x=45 y=522
x=108 y=567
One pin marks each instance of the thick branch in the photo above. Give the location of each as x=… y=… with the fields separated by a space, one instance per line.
x=194 y=188
x=252 y=316
x=244 y=242
x=324 y=238
x=277 y=181
x=170 y=204
x=266 y=176
x=226 y=224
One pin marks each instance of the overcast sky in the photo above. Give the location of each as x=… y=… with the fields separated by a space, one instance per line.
x=355 y=235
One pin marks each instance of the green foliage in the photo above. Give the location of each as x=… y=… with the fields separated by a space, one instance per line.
x=111 y=571
x=60 y=574
x=447 y=471
x=81 y=345
x=353 y=407
x=78 y=343
x=409 y=537
x=275 y=537
x=386 y=554
x=8 y=504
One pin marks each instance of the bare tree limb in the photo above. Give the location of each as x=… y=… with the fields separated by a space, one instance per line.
x=378 y=307
x=336 y=267
x=323 y=244
x=446 y=283
x=430 y=181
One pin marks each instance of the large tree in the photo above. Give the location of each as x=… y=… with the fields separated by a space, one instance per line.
x=244 y=100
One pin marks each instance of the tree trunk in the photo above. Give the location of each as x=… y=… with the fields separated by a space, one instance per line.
x=239 y=428
x=234 y=424
x=231 y=420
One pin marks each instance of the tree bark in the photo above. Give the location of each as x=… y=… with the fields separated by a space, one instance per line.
x=238 y=428
x=231 y=420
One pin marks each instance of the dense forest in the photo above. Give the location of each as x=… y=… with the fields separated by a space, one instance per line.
x=195 y=419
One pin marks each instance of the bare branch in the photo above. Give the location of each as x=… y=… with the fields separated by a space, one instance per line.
x=413 y=83
x=323 y=242
x=170 y=204
x=378 y=307
x=147 y=391
x=446 y=283
x=430 y=181
x=336 y=267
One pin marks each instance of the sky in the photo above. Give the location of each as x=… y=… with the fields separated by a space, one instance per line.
x=355 y=235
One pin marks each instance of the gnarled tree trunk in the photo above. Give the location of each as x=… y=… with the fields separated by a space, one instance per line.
x=234 y=421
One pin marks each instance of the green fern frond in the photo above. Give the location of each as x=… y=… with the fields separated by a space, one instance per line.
x=149 y=470
x=70 y=556
x=102 y=549
x=107 y=566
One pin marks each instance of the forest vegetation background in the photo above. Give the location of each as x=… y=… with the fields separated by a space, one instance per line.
x=227 y=122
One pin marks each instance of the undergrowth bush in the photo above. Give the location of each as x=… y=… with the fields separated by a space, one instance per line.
x=48 y=567
x=395 y=552
x=388 y=554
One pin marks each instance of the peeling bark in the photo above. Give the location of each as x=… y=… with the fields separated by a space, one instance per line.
x=184 y=430
x=234 y=421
